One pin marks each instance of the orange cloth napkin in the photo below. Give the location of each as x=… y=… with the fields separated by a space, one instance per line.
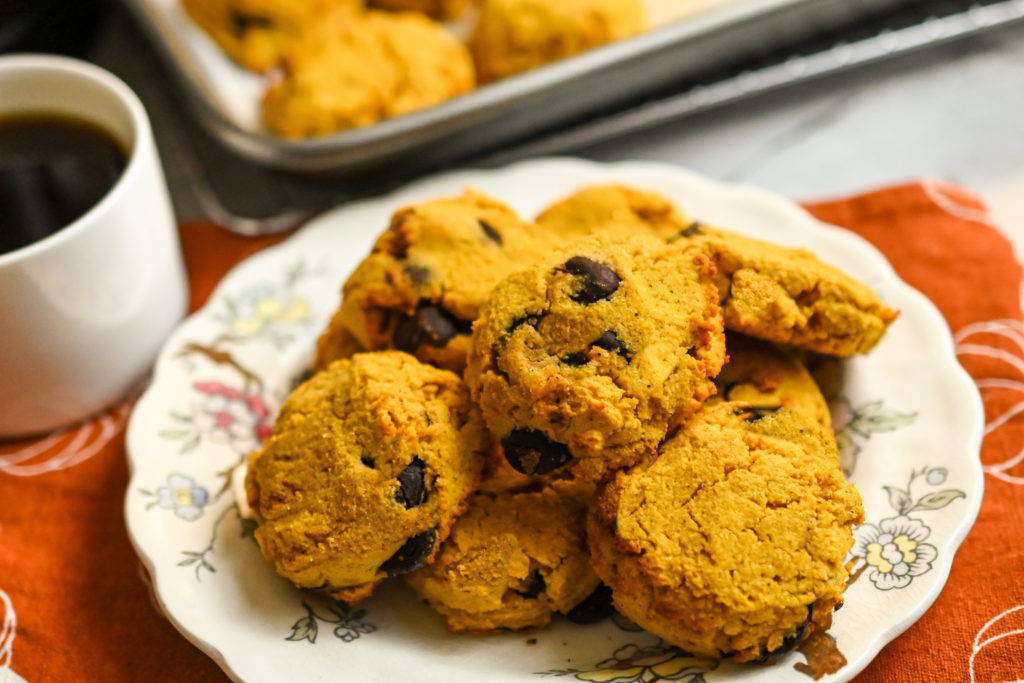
x=75 y=602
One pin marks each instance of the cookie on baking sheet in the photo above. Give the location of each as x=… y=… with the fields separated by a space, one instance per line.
x=370 y=463
x=789 y=295
x=351 y=70
x=762 y=374
x=612 y=208
x=512 y=36
x=442 y=9
x=255 y=33
x=582 y=362
x=422 y=286
x=512 y=560
x=731 y=541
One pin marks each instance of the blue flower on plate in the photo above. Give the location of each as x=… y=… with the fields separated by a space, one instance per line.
x=183 y=495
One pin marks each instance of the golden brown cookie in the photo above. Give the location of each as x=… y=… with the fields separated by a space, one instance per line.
x=353 y=70
x=255 y=33
x=335 y=343
x=762 y=374
x=731 y=541
x=606 y=208
x=512 y=36
x=429 y=273
x=511 y=561
x=583 y=361
x=370 y=463
x=789 y=295
x=443 y=9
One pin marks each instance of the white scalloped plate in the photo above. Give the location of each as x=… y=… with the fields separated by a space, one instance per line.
x=910 y=425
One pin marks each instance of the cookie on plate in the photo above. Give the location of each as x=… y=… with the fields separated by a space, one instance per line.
x=731 y=541
x=353 y=70
x=762 y=374
x=512 y=561
x=582 y=362
x=255 y=33
x=422 y=286
x=612 y=208
x=789 y=295
x=441 y=9
x=512 y=36
x=370 y=462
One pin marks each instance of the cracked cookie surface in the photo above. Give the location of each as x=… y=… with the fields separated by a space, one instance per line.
x=428 y=275
x=789 y=295
x=730 y=541
x=512 y=561
x=581 y=363
x=370 y=462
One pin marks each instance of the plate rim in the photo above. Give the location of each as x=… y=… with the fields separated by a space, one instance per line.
x=574 y=167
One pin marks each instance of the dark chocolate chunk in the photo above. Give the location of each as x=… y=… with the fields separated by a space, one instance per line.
x=243 y=21
x=598 y=281
x=407 y=335
x=755 y=413
x=411 y=490
x=692 y=230
x=533 y=586
x=593 y=608
x=609 y=341
x=532 y=452
x=430 y=325
x=412 y=555
x=368 y=461
x=417 y=275
x=489 y=230
x=576 y=358
x=790 y=642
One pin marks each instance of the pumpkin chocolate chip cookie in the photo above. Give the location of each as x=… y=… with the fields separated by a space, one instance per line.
x=370 y=462
x=583 y=362
x=789 y=295
x=350 y=70
x=512 y=561
x=516 y=35
x=429 y=273
x=256 y=33
x=612 y=208
x=730 y=541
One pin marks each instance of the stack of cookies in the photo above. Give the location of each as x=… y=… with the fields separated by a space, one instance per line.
x=606 y=406
x=338 y=64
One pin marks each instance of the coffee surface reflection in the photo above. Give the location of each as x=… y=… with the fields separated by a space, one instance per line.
x=52 y=170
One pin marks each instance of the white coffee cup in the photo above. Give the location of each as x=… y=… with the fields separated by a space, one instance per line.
x=84 y=311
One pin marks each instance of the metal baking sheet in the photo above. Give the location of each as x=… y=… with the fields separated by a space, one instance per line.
x=693 y=37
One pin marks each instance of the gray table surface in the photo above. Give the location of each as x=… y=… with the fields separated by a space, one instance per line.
x=951 y=113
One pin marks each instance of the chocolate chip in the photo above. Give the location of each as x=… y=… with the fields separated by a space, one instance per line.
x=417 y=275
x=534 y=586
x=368 y=461
x=593 y=608
x=692 y=230
x=489 y=230
x=576 y=359
x=790 y=642
x=532 y=452
x=243 y=21
x=609 y=341
x=412 y=555
x=431 y=325
x=598 y=280
x=755 y=413
x=411 y=491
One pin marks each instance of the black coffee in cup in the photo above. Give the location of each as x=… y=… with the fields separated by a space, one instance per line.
x=53 y=169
